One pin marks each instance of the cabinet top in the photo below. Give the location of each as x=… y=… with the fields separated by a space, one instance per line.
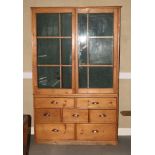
x=118 y=6
x=73 y=7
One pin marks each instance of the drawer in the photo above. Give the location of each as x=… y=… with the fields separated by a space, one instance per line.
x=96 y=103
x=54 y=102
x=96 y=132
x=55 y=131
x=75 y=115
x=47 y=115
x=102 y=116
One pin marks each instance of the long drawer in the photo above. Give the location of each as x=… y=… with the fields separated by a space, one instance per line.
x=96 y=132
x=55 y=131
x=75 y=116
x=47 y=115
x=102 y=116
x=54 y=102
x=96 y=103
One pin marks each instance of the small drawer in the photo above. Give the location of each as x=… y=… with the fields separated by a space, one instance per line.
x=96 y=132
x=54 y=103
x=75 y=116
x=102 y=116
x=96 y=103
x=47 y=115
x=55 y=131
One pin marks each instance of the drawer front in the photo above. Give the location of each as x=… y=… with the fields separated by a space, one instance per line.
x=96 y=132
x=55 y=131
x=47 y=115
x=102 y=116
x=54 y=102
x=98 y=103
x=75 y=116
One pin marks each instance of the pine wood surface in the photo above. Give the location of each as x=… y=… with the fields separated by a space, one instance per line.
x=76 y=115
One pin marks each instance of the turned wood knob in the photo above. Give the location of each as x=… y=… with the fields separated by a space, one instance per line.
x=95 y=131
x=54 y=102
x=46 y=114
x=76 y=115
x=95 y=102
x=55 y=130
x=102 y=115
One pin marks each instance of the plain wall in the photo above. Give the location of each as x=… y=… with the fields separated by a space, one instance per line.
x=125 y=49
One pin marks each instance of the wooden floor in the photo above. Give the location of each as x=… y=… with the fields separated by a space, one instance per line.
x=123 y=148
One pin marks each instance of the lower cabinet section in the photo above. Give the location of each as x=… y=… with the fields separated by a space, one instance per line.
x=76 y=120
x=55 y=131
x=96 y=132
x=82 y=132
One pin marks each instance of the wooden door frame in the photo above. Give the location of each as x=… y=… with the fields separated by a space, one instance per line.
x=116 y=11
x=58 y=91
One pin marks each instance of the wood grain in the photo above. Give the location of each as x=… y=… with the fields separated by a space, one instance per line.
x=75 y=116
x=47 y=116
x=55 y=131
x=96 y=132
x=102 y=116
x=91 y=114
x=96 y=103
x=54 y=103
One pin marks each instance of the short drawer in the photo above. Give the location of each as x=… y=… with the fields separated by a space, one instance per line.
x=54 y=102
x=47 y=115
x=55 y=131
x=96 y=132
x=102 y=116
x=96 y=103
x=75 y=115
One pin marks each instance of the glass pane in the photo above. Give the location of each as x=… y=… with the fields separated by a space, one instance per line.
x=82 y=39
x=48 y=77
x=66 y=50
x=66 y=24
x=66 y=77
x=82 y=51
x=100 y=77
x=100 y=51
x=82 y=24
x=48 y=24
x=101 y=24
x=82 y=77
x=48 y=51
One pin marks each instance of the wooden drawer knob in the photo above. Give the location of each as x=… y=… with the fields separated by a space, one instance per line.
x=55 y=130
x=102 y=115
x=46 y=114
x=54 y=102
x=95 y=131
x=95 y=103
x=64 y=103
x=76 y=115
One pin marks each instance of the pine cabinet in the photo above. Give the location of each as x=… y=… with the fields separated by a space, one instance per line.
x=75 y=74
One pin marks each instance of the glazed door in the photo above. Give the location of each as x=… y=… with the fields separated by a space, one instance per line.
x=97 y=50
x=54 y=50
